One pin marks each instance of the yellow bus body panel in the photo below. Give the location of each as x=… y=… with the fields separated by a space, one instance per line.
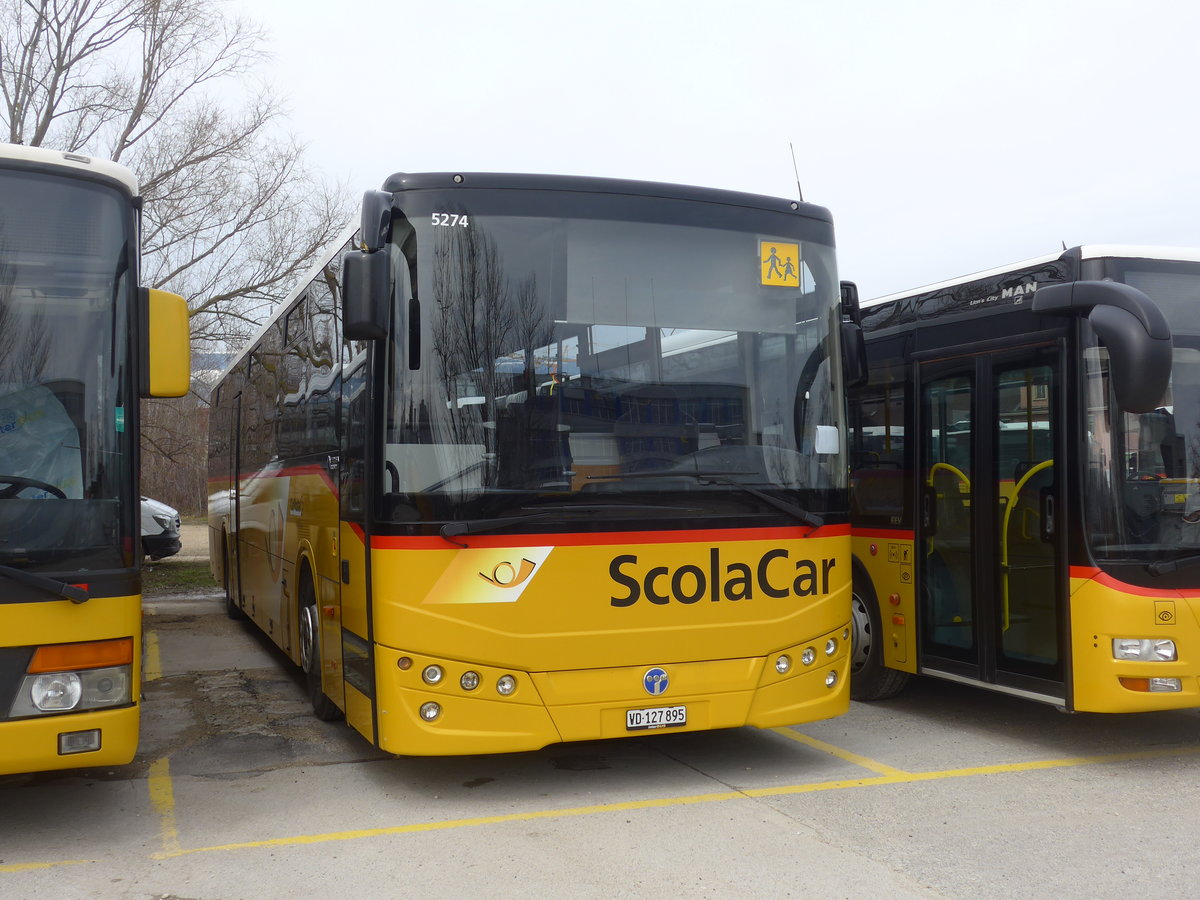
x=31 y=745
x=888 y=561
x=545 y=614
x=1103 y=609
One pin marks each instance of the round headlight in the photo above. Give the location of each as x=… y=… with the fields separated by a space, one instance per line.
x=430 y=711
x=831 y=679
x=59 y=691
x=506 y=685
x=783 y=665
x=469 y=681
x=831 y=647
x=809 y=656
x=432 y=674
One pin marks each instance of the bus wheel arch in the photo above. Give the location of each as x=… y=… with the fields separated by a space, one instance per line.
x=870 y=679
x=308 y=621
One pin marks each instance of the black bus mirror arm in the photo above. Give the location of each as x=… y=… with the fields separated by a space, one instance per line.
x=1130 y=325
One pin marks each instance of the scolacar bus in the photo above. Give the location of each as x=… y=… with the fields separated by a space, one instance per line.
x=1026 y=483
x=79 y=343
x=530 y=459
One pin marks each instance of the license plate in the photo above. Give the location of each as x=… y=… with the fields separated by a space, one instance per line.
x=658 y=717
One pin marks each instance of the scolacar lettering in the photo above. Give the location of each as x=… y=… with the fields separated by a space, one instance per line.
x=775 y=574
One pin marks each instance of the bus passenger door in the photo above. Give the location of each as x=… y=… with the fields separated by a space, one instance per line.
x=232 y=552
x=354 y=640
x=991 y=559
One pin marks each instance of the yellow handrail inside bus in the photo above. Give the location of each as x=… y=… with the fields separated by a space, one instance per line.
x=1008 y=508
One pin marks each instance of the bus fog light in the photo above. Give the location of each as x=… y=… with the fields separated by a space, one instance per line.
x=506 y=685
x=432 y=675
x=809 y=656
x=783 y=665
x=831 y=678
x=78 y=741
x=1152 y=650
x=469 y=681
x=1165 y=685
x=831 y=647
x=59 y=691
x=430 y=711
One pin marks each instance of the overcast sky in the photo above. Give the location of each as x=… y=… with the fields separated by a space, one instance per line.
x=945 y=137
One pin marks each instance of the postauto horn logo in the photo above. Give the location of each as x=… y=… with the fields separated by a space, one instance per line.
x=487 y=576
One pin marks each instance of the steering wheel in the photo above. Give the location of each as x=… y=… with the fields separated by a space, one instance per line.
x=18 y=483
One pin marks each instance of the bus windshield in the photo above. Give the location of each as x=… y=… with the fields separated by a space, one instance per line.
x=66 y=291
x=635 y=361
x=1143 y=492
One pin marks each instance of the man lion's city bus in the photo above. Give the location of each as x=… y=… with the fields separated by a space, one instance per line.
x=1026 y=483
x=530 y=459
x=80 y=342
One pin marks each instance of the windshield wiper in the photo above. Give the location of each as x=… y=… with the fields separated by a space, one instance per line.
x=722 y=477
x=547 y=511
x=1165 y=566
x=50 y=585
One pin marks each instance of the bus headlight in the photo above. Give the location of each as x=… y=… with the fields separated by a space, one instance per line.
x=55 y=692
x=831 y=647
x=432 y=675
x=809 y=656
x=506 y=685
x=1143 y=650
x=783 y=665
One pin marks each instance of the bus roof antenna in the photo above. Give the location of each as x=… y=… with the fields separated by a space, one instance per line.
x=799 y=190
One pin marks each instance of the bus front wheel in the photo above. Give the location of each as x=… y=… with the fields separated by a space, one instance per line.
x=310 y=652
x=870 y=679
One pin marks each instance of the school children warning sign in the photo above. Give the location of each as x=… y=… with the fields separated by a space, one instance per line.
x=780 y=263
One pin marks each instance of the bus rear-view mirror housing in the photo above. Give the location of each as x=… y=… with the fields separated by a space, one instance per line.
x=366 y=290
x=1130 y=325
x=166 y=354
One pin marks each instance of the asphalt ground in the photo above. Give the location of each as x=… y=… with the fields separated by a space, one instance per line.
x=945 y=791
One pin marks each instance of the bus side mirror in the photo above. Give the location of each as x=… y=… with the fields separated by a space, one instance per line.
x=854 y=345
x=366 y=290
x=166 y=353
x=1131 y=326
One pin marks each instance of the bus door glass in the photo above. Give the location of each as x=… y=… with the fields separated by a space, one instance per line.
x=1027 y=574
x=946 y=517
x=990 y=554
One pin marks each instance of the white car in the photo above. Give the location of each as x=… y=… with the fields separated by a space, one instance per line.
x=160 y=529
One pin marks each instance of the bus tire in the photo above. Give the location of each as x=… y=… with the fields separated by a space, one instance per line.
x=310 y=651
x=870 y=679
x=232 y=609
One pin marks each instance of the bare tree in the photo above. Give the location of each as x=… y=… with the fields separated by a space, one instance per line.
x=233 y=214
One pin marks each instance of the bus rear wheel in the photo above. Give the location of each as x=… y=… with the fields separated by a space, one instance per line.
x=310 y=652
x=870 y=679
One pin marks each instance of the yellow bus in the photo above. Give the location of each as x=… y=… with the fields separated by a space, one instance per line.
x=1025 y=487
x=530 y=459
x=79 y=343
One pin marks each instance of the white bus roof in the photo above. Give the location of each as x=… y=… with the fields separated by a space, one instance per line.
x=1087 y=251
x=79 y=161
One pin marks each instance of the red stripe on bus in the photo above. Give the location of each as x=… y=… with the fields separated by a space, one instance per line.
x=1091 y=573
x=895 y=534
x=715 y=535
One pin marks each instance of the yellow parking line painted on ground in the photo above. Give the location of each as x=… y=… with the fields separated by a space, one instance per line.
x=750 y=793
x=162 y=798
x=840 y=753
x=152 y=668
x=32 y=866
